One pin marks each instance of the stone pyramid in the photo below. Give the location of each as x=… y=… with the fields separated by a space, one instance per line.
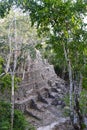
x=40 y=94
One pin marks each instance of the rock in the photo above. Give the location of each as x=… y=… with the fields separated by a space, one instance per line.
x=49 y=83
x=85 y=120
x=54 y=90
x=32 y=115
x=54 y=102
x=59 y=90
x=63 y=104
x=41 y=99
x=40 y=89
x=62 y=124
x=33 y=105
x=51 y=96
x=65 y=124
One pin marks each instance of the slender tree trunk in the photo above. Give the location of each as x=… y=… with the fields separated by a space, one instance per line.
x=23 y=74
x=10 y=47
x=13 y=76
x=80 y=119
x=8 y=63
x=28 y=59
x=80 y=83
x=70 y=80
x=12 y=102
x=79 y=124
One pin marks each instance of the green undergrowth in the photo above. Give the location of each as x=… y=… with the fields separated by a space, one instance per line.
x=82 y=103
x=20 y=122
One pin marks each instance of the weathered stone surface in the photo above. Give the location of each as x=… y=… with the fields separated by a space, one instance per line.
x=40 y=94
x=61 y=124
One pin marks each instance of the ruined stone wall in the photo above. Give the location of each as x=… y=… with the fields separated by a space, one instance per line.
x=40 y=94
x=40 y=78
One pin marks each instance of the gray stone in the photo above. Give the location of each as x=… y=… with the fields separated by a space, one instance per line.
x=40 y=92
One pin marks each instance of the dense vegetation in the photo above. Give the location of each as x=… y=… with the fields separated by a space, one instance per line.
x=5 y=118
x=61 y=24
x=12 y=40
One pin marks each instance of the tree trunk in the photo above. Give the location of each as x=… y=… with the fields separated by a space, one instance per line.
x=12 y=102
x=13 y=76
x=80 y=83
x=10 y=47
x=70 y=80
x=80 y=121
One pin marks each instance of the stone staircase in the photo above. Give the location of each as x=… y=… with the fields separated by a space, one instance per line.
x=40 y=94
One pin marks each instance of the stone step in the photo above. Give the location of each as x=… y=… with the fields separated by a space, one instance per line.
x=54 y=89
x=29 y=92
x=43 y=91
x=53 y=94
x=55 y=110
x=42 y=106
x=33 y=79
x=40 y=98
x=61 y=124
x=23 y=104
x=45 y=117
x=49 y=100
x=33 y=84
x=32 y=120
x=34 y=106
x=25 y=100
x=34 y=114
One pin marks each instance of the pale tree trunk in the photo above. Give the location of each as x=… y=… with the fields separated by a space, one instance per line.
x=12 y=93
x=80 y=119
x=13 y=76
x=9 y=56
x=70 y=79
x=71 y=86
x=23 y=73
x=80 y=122
x=12 y=102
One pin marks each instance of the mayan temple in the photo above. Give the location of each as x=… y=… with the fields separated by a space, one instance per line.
x=40 y=94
